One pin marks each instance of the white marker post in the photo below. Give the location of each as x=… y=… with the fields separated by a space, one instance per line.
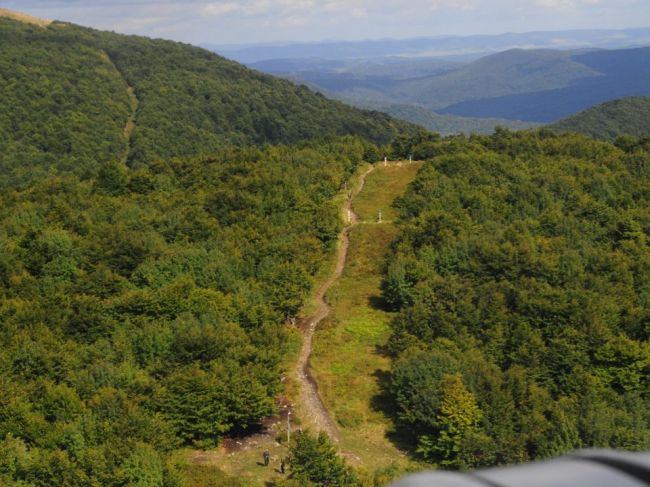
x=288 y=427
x=385 y=161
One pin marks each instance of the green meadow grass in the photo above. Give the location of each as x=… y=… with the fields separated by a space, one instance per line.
x=347 y=361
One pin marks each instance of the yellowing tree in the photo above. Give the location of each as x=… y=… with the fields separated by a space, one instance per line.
x=457 y=415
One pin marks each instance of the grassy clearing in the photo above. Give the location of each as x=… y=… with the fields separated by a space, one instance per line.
x=21 y=17
x=243 y=467
x=382 y=186
x=347 y=359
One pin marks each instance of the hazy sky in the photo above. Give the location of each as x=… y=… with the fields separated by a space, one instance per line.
x=250 y=21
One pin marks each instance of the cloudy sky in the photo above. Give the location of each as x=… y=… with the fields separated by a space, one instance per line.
x=254 y=21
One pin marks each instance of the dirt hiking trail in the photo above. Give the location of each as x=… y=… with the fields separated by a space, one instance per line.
x=317 y=415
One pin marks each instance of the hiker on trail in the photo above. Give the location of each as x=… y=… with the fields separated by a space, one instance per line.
x=266 y=456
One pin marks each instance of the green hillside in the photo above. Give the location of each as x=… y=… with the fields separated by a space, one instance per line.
x=521 y=279
x=627 y=116
x=67 y=98
x=164 y=212
x=64 y=104
x=147 y=265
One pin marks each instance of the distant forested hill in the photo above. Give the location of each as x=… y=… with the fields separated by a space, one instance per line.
x=627 y=116
x=521 y=278
x=615 y=74
x=74 y=98
x=529 y=85
x=505 y=73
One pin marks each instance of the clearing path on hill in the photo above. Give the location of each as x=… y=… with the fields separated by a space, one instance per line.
x=134 y=103
x=319 y=404
x=348 y=362
x=312 y=410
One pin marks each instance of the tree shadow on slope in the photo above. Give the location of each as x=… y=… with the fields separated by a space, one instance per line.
x=400 y=435
x=378 y=303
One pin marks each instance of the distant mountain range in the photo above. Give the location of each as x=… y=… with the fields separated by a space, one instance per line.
x=516 y=88
x=462 y=48
x=627 y=116
x=589 y=79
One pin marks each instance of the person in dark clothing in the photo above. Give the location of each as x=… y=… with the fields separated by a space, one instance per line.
x=266 y=456
x=282 y=466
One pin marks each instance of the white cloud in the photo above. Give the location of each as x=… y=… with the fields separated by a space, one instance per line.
x=218 y=8
x=452 y=4
x=359 y=12
x=565 y=3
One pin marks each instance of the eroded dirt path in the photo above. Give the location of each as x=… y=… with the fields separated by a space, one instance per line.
x=311 y=404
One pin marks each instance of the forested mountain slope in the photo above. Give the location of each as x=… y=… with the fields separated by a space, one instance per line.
x=521 y=277
x=143 y=310
x=627 y=116
x=66 y=102
x=147 y=266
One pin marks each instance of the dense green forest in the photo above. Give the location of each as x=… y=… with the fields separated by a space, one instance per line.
x=68 y=94
x=627 y=116
x=147 y=268
x=153 y=243
x=144 y=310
x=64 y=105
x=522 y=280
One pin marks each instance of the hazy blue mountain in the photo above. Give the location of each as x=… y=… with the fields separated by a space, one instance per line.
x=453 y=47
x=506 y=73
x=626 y=116
x=444 y=124
x=618 y=74
x=531 y=85
x=393 y=68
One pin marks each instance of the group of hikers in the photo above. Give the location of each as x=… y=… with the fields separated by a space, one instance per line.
x=266 y=456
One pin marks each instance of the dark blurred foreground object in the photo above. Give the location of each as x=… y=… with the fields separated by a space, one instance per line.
x=588 y=468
